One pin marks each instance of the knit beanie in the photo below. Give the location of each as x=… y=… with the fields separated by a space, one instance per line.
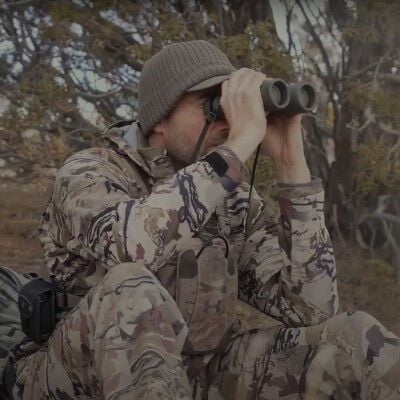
x=176 y=69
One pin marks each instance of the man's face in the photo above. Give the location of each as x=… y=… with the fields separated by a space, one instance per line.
x=182 y=128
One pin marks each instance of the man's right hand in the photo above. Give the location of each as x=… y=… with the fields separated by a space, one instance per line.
x=244 y=111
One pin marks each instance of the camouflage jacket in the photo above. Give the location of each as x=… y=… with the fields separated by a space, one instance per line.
x=204 y=243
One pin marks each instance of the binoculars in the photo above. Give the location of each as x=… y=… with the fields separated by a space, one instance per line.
x=278 y=98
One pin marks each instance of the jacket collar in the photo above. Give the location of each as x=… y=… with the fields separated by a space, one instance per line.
x=154 y=161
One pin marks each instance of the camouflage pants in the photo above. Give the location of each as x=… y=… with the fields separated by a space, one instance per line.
x=124 y=341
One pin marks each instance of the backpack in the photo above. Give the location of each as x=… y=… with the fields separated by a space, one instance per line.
x=10 y=325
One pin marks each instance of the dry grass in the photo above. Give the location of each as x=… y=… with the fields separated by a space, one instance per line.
x=20 y=211
x=369 y=285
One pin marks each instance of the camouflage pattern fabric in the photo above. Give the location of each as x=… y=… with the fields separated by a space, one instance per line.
x=350 y=356
x=10 y=327
x=245 y=296
x=115 y=345
x=122 y=341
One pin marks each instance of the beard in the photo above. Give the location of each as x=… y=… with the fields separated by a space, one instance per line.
x=180 y=145
x=180 y=149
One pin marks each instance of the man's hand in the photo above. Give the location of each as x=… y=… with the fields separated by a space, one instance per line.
x=280 y=136
x=244 y=111
x=283 y=142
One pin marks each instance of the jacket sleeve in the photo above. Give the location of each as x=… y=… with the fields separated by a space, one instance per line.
x=102 y=222
x=287 y=267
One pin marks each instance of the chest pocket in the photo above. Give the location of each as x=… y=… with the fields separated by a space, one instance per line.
x=207 y=291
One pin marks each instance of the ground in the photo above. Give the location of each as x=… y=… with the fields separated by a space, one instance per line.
x=364 y=284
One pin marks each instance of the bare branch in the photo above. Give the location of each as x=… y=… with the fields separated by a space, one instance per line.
x=18 y=3
x=317 y=40
x=386 y=217
x=361 y=71
x=379 y=215
x=388 y=129
x=98 y=95
x=391 y=78
x=395 y=247
x=394 y=148
x=289 y=14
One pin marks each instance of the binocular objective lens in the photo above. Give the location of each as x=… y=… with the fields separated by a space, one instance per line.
x=276 y=94
x=306 y=97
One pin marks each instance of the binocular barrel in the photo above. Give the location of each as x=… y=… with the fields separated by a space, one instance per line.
x=278 y=98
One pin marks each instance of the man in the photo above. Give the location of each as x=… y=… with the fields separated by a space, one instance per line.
x=190 y=290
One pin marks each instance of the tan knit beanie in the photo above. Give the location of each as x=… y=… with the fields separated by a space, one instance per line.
x=174 y=70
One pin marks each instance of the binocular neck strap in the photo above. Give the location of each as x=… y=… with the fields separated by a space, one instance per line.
x=253 y=173
x=209 y=120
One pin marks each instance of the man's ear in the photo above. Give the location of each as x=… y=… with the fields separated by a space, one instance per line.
x=158 y=134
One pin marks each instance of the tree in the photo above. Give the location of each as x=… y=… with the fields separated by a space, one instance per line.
x=354 y=53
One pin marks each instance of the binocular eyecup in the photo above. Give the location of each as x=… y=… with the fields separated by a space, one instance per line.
x=278 y=98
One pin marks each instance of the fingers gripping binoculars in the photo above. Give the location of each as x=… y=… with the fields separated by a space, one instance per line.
x=278 y=98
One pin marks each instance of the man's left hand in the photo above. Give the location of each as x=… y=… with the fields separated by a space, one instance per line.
x=283 y=142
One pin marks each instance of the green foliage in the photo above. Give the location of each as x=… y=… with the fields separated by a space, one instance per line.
x=169 y=27
x=36 y=90
x=377 y=166
x=384 y=101
x=376 y=19
x=237 y=48
x=257 y=48
x=64 y=12
x=172 y=28
x=140 y=52
x=377 y=171
x=357 y=94
x=267 y=54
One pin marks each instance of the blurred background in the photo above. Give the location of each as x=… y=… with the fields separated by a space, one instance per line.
x=69 y=68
